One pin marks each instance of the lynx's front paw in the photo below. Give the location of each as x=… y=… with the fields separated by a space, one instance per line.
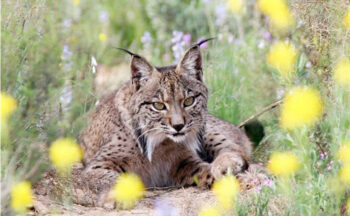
x=228 y=161
x=106 y=200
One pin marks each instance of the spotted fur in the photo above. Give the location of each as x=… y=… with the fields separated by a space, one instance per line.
x=178 y=146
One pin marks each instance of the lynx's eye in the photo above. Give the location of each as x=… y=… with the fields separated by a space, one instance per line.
x=188 y=101
x=159 y=106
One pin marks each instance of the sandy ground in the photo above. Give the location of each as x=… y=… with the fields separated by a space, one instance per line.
x=185 y=201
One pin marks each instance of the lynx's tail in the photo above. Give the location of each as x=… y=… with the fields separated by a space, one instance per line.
x=254 y=128
x=255 y=131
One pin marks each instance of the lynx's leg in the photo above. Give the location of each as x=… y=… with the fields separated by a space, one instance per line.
x=191 y=171
x=92 y=187
x=87 y=186
x=101 y=172
x=227 y=147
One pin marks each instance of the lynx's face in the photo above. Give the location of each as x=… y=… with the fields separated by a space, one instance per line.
x=169 y=102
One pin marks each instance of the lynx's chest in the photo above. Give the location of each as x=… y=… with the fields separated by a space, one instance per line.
x=160 y=171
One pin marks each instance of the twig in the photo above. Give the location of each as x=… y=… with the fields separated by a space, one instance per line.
x=268 y=108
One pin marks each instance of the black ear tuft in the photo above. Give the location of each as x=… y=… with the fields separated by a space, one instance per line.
x=127 y=51
x=204 y=41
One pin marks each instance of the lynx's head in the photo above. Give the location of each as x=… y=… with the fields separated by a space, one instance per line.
x=168 y=102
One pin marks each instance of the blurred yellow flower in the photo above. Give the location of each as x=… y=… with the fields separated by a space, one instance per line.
x=128 y=190
x=102 y=37
x=76 y=2
x=282 y=56
x=344 y=153
x=346 y=19
x=283 y=164
x=209 y=211
x=342 y=72
x=301 y=106
x=235 y=6
x=265 y=5
x=344 y=174
x=8 y=105
x=65 y=152
x=278 y=11
x=226 y=189
x=21 y=196
x=282 y=19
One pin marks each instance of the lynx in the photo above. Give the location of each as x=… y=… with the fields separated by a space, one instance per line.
x=158 y=127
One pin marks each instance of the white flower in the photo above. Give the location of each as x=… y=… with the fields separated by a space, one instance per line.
x=67 y=23
x=66 y=53
x=261 y=44
x=66 y=58
x=220 y=12
x=308 y=64
x=93 y=64
x=163 y=207
x=230 y=38
x=66 y=97
x=178 y=45
x=220 y=37
x=300 y=24
x=146 y=38
x=177 y=36
x=279 y=93
x=103 y=17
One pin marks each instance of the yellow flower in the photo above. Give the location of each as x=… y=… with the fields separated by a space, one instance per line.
x=21 y=196
x=283 y=164
x=76 y=2
x=226 y=189
x=278 y=11
x=344 y=174
x=301 y=106
x=342 y=72
x=282 y=56
x=265 y=5
x=346 y=19
x=8 y=105
x=344 y=153
x=102 y=37
x=235 y=6
x=65 y=152
x=128 y=190
x=209 y=211
x=282 y=19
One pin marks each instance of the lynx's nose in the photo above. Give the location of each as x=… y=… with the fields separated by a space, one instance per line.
x=178 y=127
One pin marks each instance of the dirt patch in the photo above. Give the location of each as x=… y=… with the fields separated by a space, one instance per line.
x=184 y=201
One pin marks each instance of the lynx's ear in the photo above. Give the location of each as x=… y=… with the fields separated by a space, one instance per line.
x=141 y=71
x=191 y=62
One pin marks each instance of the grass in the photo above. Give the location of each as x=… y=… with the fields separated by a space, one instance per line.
x=46 y=60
